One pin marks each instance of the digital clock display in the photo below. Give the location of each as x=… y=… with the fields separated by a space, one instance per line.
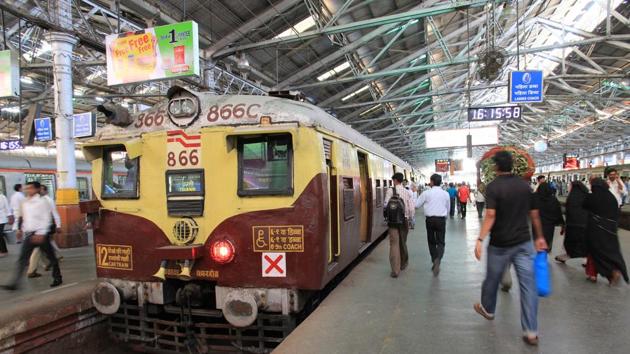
x=11 y=145
x=481 y=114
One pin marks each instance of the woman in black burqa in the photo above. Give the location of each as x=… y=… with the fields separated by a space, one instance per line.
x=576 y=221
x=602 y=241
x=550 y=212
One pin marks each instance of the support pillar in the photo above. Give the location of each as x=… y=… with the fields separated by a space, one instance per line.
x=72 y=221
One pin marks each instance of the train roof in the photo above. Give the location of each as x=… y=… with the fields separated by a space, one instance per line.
x=250 y=109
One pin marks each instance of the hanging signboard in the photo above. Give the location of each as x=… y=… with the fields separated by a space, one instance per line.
x=43 y=129
x=442 y=165
x=14 y=144
x=459 y=137
x=163 y=52
x=83 y=125
x=526 y=86
x=9 y=74
x=570 y=162
x=482 y=114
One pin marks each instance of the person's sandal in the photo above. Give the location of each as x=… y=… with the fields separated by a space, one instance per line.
x=562 y=259
x=530 y=341
x=480 y=310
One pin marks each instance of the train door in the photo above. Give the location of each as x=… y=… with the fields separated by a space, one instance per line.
x=366 y=198
x=333 y=210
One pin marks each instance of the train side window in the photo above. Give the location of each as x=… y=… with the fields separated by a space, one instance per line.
x=379 y=194
x=3 y=186
x=83 y=187
x=120 y=174
x=265 y=165
x=348 y=198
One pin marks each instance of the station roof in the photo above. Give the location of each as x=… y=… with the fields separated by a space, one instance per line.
x=392 y=69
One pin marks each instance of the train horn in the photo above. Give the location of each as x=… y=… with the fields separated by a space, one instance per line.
x=185 y=270
x=161 y=272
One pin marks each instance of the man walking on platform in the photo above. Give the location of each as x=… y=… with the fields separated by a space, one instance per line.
x=509 y=202
x=34 y=219
x=16 y=200
x=399 y=209
x=6 y=217
x=463 y=195
x=437 y=203
x=55 y=228
x=452 y=192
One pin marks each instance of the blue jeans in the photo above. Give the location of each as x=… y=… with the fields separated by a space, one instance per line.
x=522 y=256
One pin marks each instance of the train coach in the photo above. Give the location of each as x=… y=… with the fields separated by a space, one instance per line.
x=25 y=166
x=237 y=208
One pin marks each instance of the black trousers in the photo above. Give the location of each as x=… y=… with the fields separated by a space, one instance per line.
x=436 y=230
x=3 y=243
x=480 y=206
x=25 y=254
x=452 y=211
x=462 y=208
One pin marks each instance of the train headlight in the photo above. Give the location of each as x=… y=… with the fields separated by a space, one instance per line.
x=175 y=108
x=222 y=251
x=188 y=107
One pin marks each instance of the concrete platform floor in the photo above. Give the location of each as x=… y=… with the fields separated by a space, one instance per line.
x=78 y=265
x=369 y=312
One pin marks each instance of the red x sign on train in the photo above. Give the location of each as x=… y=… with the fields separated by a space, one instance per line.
x=274 y=265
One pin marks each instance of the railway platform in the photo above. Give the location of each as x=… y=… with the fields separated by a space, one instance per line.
x=369 y=312
x=37 y=318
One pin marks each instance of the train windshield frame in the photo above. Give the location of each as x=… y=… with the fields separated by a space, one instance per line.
x=265 y=165
x=121 y=179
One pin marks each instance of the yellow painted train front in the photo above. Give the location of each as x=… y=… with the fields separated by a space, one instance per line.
x=241 y=205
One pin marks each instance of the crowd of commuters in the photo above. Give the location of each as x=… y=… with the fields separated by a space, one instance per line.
x=513 y=211
x=34 y=217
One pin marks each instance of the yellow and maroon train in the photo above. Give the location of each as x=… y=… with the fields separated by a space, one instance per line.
x=235 y=207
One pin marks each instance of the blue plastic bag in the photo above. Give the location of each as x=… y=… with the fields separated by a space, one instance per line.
x=541 y=271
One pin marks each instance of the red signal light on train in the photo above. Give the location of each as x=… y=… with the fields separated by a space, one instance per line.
x=222 y=251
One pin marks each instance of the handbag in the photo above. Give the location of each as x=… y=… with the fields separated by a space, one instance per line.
x=541 y=272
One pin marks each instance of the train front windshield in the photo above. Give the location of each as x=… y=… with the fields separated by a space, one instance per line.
x=120 y=175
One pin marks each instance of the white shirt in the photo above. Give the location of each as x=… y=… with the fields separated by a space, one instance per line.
x=36 y=215
x=479 y=197
x=55 y=213
x=405 y=195
x=436 y=201
x=5 y=210
x=618 y=189
x=16 y=199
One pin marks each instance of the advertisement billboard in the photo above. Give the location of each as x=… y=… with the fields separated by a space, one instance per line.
x=458 y=137
x=442 y=165
x=570 y=162
x=156 y=53
x=9 y=74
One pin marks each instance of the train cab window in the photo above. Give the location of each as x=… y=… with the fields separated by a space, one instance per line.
x=120 y=174
x=84 y=188
x=265 y=165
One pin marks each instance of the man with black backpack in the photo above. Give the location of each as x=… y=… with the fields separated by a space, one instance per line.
x=398 y=211
x=437 y=203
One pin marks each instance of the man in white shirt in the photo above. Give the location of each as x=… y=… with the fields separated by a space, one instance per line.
x=34 y=219
x=399 y=228
x=437 y=203
x=617 y=188
x=16 y=200
x=6 y=217
x=33 y=264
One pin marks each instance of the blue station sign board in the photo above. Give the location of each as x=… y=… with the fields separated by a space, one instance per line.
x=43 y=129
x=526 y=86
x=83 y=125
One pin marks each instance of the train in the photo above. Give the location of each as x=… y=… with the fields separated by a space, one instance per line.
x=24 y=166
x=585 y=174
x=234 y=213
